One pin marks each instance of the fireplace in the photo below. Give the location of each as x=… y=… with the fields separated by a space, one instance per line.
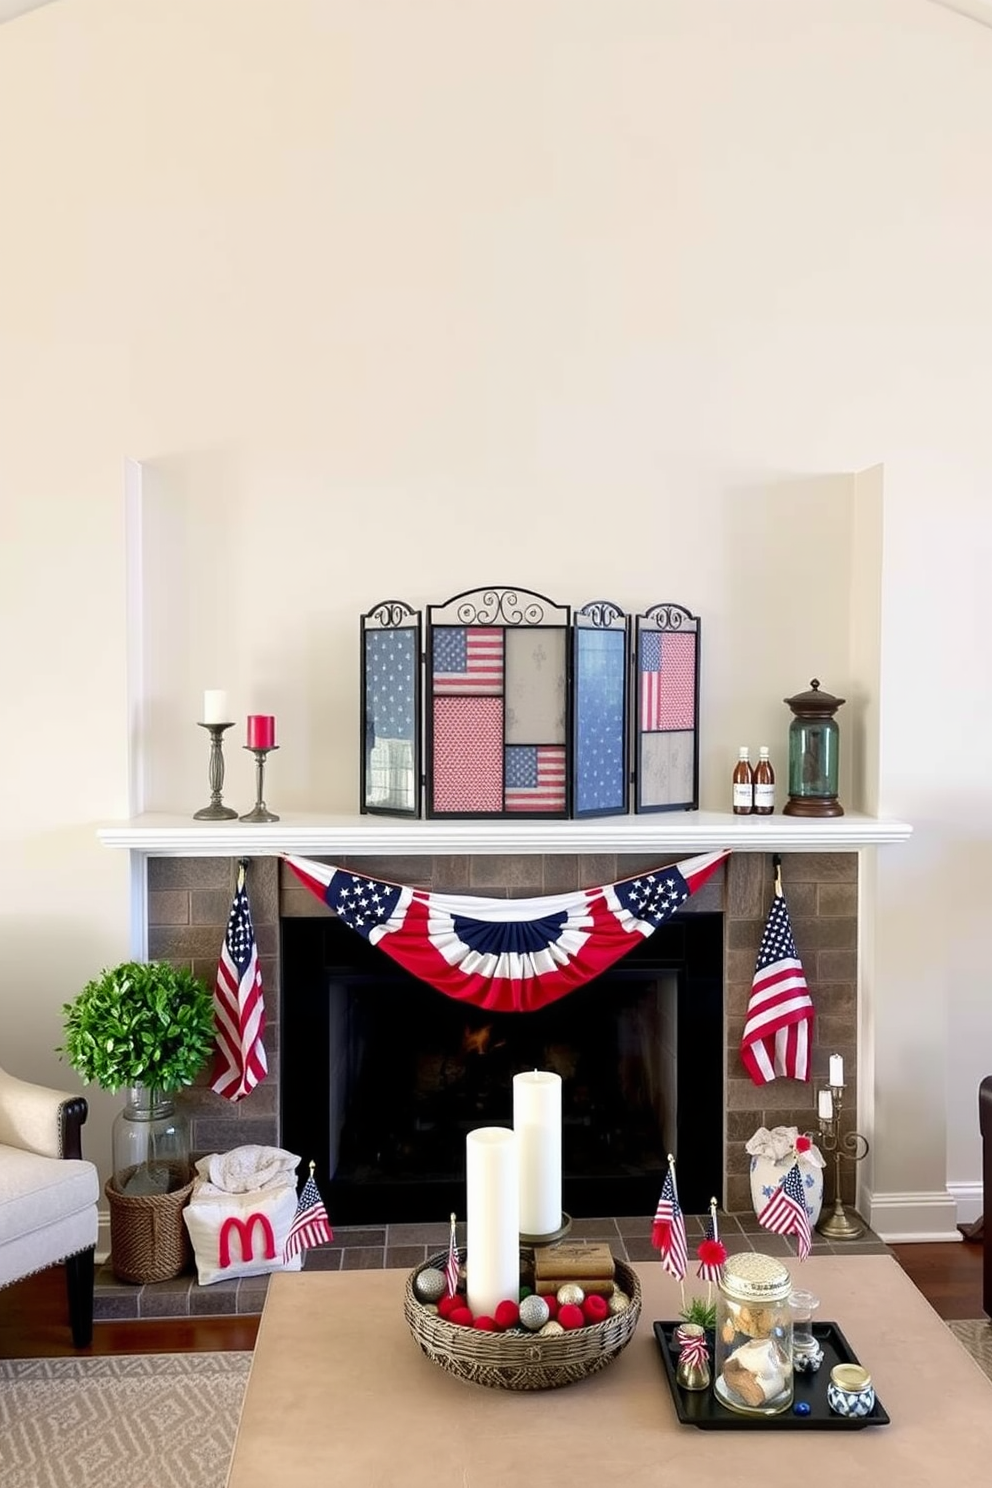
x=389 y=1075
x=189 y=898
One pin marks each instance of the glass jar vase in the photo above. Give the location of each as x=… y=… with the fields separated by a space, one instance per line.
x=753 y=1353
x=150 y=1144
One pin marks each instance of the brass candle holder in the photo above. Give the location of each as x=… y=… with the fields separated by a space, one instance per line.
x=260 y=812
x=840 y=1224
x=216 y=811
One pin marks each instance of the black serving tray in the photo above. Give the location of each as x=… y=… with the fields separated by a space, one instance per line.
x=701 y=1407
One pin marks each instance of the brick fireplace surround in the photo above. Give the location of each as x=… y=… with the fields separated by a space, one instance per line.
x=188 y=903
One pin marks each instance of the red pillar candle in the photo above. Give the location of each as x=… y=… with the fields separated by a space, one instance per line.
x=261 y=731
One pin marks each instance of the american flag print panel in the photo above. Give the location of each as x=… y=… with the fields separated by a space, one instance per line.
x=390 y=702
x=467 y=659
x=667 y=680
x=468 y=754
x=599 y=771
x=535 y=778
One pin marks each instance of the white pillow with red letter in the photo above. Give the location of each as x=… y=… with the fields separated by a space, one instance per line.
x=240 y=1234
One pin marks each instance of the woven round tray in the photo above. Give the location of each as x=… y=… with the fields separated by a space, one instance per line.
x=519 y=1360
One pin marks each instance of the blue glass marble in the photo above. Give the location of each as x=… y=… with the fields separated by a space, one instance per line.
x=801 y=1408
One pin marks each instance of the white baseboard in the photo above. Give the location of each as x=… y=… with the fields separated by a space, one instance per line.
x=912 y=1218
x=102 y=1238
x=969 y=1199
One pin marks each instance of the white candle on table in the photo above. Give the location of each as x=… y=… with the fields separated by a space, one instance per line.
x=215 y=707
x=836 y=1070
x=537 y=1123
x=825 y=1107
x=492 y=1219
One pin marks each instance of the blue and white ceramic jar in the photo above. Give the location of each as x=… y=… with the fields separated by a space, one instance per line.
x=850 y=1391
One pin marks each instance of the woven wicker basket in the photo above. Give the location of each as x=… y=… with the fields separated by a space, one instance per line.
x=519 y=1360
x=148 y=1239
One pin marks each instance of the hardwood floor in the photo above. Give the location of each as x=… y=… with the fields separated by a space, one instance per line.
x=34 y=1315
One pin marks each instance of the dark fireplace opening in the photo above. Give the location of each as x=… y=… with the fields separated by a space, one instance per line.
x=382 y=1076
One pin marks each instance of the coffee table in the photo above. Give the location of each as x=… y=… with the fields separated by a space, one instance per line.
x=339 y=1393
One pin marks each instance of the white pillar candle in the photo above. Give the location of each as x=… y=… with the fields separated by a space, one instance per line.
x=836 y=1070
x=215 y=707
x=537 y=1123
x=492 y=1219
x=825 y=1107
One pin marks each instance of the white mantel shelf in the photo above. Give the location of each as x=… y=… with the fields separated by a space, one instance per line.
x=684 y=832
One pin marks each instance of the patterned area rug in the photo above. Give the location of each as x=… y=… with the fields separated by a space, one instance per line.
x=123 y=1421
x=976 y=1335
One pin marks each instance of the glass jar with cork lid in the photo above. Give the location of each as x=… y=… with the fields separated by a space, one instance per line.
x=753 y=1353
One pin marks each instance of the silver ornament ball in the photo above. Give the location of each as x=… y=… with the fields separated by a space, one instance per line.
x=430 y=1285
x=534 y=1312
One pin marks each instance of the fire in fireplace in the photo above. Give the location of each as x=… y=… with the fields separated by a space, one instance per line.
x=383 y=1077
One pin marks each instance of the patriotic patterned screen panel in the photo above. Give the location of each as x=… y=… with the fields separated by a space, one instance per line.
x=390 y=710
x=496 y=698
x=666 y=672
x=599 y=711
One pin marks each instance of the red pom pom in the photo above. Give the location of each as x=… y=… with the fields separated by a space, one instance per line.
x=803 y=1144
x=507 y=1316
x=447 y=1305
x=596 y=1308
x=484 y=1324
x=571 y=1316
x=712 y=1252
x=660 y=1231
x=552 y=1302
x=462 y=1316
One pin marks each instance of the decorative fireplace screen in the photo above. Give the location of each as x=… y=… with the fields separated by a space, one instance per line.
x=519 y=707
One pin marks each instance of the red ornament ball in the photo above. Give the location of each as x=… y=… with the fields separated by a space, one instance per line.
x=803 y=1144
x=507 y=1316
x=552 y=1302
x=571 y=1316
x=484 y=1324
x=447 y=1305
x=595 y=1308
x=461 y=1316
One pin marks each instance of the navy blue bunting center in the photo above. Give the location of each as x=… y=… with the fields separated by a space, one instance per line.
x=502 y=939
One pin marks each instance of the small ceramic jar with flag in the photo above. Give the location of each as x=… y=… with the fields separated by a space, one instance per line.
x=772 y=1154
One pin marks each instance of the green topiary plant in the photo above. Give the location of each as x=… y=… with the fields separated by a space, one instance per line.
x=140 y=1023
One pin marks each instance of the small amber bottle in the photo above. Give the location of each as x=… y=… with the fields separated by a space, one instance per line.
x=743 y=784
x=764 y=784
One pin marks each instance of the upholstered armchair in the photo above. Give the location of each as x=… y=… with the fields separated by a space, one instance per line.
x=48 y=1193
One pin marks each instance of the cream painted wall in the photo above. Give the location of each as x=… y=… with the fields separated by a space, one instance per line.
x=613 y=291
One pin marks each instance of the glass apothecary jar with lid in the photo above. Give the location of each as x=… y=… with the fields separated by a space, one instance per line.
x=814 y=740
x=753 y=1353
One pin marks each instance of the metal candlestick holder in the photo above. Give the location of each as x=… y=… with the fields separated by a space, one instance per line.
x=216 y=811
x=260 y=812
x=839 y=1224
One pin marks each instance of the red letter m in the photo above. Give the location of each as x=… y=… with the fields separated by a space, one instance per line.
x=245 y=1229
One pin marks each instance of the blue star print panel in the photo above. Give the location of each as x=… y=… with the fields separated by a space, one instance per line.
x=390 y=703
x=600 y=715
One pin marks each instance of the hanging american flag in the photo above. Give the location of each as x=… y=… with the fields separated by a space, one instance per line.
x=311 y=1225
x=785 y=1213
x=778 y=1031
x=451 y=1264
x=668 y=1230
x=507 y=955
x=239 y=1007
x=468 y=659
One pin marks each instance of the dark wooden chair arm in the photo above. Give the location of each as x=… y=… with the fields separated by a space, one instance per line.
x=72 y=1114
